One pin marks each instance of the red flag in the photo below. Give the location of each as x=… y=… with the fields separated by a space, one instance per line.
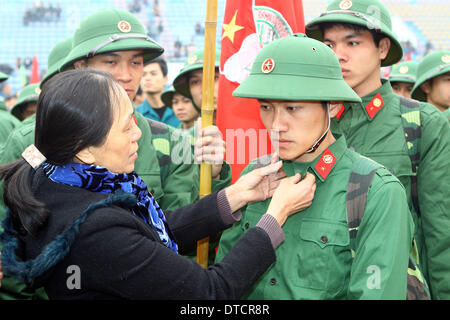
x=35 y=77
x=247 y=27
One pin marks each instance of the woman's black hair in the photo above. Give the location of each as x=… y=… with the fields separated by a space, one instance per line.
x=74 y=111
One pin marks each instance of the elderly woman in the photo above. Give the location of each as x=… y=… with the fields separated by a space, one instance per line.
x=83 y=225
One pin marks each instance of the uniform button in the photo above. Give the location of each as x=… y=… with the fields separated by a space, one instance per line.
x=324 y=239
x=247 y=225
x=273 y=281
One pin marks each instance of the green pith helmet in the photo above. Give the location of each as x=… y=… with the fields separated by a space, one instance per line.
x=371 y=14
x=56 y=57
x=193 y=62
x=296 y=68
x=3 y=77
x=404 y=72
x=433 y=64
x=28 y=94
x=167 y=96
x=110 y=30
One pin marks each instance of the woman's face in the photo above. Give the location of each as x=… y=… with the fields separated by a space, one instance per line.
x=119 y=152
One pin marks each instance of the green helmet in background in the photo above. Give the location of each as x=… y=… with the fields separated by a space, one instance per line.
x=28 y=94
x=296 y=68
x=110 y=30
x=193 y=62
x=167 y=96
x=371 y=14
x=432 y=65
x=56 y=57
x=404 y=72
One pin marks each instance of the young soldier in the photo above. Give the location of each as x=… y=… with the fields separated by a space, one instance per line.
x=299 y=86
x=403 y=77
x=412 y=140
x=190 y=79
x=182 y=107
x=153 y=82
x=433 y=83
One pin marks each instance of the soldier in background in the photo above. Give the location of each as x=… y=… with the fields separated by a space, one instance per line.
x=403 y=77
x=433 y=80
x=182 y=107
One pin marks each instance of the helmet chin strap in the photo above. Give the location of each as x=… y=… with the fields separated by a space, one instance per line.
x=319 y=141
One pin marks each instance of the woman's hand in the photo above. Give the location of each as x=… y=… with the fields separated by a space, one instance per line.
x=257 y=185
x=291 y=196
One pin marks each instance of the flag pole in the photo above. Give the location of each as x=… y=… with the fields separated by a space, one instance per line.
x=207 y=111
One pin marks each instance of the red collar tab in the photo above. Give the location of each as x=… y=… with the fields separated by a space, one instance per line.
x=374 y=105
x=325 y=163
x=340 y=112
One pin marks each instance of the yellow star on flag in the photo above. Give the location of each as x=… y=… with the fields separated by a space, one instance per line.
x=230 y=28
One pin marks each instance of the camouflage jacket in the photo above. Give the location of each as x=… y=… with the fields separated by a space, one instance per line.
x=315 y=260
x=374 y=129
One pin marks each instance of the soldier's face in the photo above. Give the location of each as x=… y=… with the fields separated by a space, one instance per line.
x=294 y=126
x=402 y=88
x=183 y=108
x=126 y=67
x=359 y=57
x=195 y=86
x=438 y=91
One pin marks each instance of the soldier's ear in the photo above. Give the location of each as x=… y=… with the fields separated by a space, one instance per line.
x=384 y=46
x=80 y=64
x=334 y=106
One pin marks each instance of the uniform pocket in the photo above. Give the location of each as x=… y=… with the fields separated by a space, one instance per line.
x=323 y=254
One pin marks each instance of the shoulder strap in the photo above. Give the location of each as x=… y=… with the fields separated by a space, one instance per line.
x=410 y=110
x=361 y=176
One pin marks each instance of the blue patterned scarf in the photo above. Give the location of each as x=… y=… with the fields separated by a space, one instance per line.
x=99 y=179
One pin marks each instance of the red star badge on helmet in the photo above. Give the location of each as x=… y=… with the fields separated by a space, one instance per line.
x=124 y=26
x=268 y=65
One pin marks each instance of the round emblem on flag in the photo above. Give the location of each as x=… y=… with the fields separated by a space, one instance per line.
x=403 y=69
x=377 y=102
x=345 y=4
x=327 y=158
x=268 y=65
x=446 y=58
x=124 y=26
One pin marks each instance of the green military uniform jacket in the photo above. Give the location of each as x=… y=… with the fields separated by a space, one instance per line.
x=374 y=129
x=7 y=123
x=446 y=113
x=315 y=260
